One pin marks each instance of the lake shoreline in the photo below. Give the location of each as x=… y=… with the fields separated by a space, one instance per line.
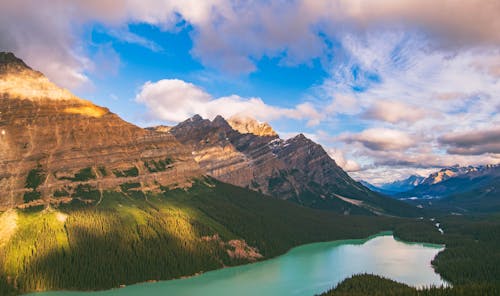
x=350 y=242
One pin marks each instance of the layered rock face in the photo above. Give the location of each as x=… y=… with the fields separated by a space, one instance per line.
x=296 y=169
x=56 y=147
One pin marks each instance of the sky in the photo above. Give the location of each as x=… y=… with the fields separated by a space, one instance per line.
x=390 y=88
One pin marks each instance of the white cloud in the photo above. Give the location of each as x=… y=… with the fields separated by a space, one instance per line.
x=380 y=139
x=124 y=35
x=175 y=100
x=348 y=165
x=394 y=112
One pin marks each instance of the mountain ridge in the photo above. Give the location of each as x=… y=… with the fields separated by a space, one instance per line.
x=295 y=169
x=57 y=148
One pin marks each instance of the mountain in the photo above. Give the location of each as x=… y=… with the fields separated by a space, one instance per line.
x=376 y=188
x=251 y=154
x=403 y=185
x=55 y=147
x=89 y=201
x=447 y=173
x=460 y=189
x=450 y=180
x=395 y=187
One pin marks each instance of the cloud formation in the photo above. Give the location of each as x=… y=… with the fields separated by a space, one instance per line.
x=380 y=139
x=435 y=96
x=473 y=142
x=231 y=34
x=394 y=112
x=175 y=100
x=347 y=165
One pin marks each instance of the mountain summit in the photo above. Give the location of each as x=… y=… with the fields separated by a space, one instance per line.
x=248 y=125
x=18 y=80
x=250 y=154
x=55 y=147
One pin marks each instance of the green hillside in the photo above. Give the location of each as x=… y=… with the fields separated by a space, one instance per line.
x=130 y=237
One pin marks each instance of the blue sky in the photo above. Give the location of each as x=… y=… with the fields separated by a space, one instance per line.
x=389 y=88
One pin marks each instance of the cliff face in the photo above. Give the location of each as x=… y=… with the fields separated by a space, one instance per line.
x=296 y=169
x=55 y=147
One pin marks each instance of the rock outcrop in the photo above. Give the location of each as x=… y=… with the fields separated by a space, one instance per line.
x=247 y=125
x=56 y=147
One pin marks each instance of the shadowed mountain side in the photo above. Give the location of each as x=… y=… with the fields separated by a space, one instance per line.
x=296 y=169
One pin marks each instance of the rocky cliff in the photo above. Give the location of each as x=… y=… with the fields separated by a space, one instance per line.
x=296 y=169
x=55 y=147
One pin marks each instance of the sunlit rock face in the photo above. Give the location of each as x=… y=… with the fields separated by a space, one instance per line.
x=64 y=142
x=247 y=155
x=247 y=125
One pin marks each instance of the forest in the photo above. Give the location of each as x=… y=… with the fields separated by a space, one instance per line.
x=469 y=261
x=130 y=237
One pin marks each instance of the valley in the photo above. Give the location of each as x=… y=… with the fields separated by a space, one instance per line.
x=127 y=239
x=304 y=270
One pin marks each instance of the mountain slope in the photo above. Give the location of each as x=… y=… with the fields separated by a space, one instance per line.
x=55 y=146
x=127 y=239
x=296 y=169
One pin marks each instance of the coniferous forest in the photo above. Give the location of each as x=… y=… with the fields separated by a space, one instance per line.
x=129 y=238
x=469 y=262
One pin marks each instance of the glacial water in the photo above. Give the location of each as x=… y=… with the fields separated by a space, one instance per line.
x=305 y=270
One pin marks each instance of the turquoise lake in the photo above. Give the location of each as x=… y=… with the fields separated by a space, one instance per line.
x=305 y=270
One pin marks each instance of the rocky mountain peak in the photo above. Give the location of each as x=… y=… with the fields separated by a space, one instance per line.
x=220 y=122
x=9 y=62
x=17 y=80
x=248 y=125
x=300 y=137
x=55 y=147
x=195 y=118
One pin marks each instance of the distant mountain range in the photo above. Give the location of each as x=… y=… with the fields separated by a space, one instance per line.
x=395 y=187
x=461 y=189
